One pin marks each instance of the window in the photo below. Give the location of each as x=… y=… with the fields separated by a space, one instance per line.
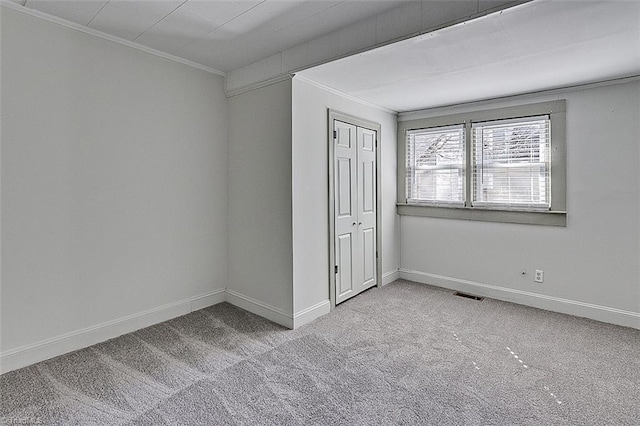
x=505 y=165
x=435 y=165
x=511 y=166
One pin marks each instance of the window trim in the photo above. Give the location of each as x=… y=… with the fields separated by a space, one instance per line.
x=459 y=126
x=556 y=216
x=475 y=168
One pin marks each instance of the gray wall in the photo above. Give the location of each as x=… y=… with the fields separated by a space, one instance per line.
x=310 y=189
x=260 y=246
x=591 y=267
x=114 y=181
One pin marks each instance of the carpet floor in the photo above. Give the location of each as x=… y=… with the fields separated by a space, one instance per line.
x=405 y=354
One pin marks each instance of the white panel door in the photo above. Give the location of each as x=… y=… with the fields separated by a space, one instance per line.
x=354 y=209
x=367 y=206
x=346 y=209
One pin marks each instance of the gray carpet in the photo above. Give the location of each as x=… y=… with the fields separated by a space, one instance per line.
x=405 y=354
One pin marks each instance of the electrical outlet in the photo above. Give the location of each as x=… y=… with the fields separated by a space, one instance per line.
x=539 y=276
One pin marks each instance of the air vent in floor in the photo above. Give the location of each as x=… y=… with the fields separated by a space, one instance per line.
x=468 y=296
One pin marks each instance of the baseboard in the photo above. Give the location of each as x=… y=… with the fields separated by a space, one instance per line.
x=78 y=339
x=262 y=309
x=391 y=276
x=536 y=300
x=305 y=316
x=209 y=299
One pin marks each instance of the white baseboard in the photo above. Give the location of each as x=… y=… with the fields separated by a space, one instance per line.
x=78 y=339
x=391 y=276
x=262 y=309
x=307 y=315
x=542 y=301
x=209 y=299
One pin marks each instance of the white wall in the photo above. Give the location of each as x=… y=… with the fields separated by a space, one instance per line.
x=114 y=185
x=310 y=190
x=591 y=267
x=260 y=248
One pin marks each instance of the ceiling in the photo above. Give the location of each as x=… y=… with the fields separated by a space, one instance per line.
x=221 y=34
x=531 y=47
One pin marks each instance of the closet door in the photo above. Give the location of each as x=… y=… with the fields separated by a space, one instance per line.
x=366 y=259
x=354 y=209
x=346 y=210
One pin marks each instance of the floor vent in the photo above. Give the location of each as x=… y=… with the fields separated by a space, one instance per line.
x=468 y=296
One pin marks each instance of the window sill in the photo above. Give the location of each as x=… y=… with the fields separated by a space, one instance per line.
x=547 y=218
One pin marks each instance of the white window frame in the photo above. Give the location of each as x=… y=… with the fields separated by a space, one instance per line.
x=554 y=216
x=461 y=167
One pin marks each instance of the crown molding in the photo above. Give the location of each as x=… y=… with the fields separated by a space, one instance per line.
x=257 y=85
x=344 y=95
x=420 y=113
x=128 y=43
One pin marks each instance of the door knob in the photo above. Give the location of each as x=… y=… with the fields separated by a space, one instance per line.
x=359 y=223
x=354 y=224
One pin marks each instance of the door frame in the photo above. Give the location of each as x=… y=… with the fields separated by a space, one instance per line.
x=371 y=125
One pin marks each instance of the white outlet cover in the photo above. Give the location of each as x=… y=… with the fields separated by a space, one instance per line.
x=539 y=276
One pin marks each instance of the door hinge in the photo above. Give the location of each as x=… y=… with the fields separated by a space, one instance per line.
x=376 y=255
x=335 y=134
x=336 y=269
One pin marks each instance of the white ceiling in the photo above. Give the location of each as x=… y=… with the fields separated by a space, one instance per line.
x=221 y=34
x=534 y=46
x=531 y=47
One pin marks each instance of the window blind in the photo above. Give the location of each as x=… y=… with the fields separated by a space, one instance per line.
x=512 y=163
x=435 y=163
